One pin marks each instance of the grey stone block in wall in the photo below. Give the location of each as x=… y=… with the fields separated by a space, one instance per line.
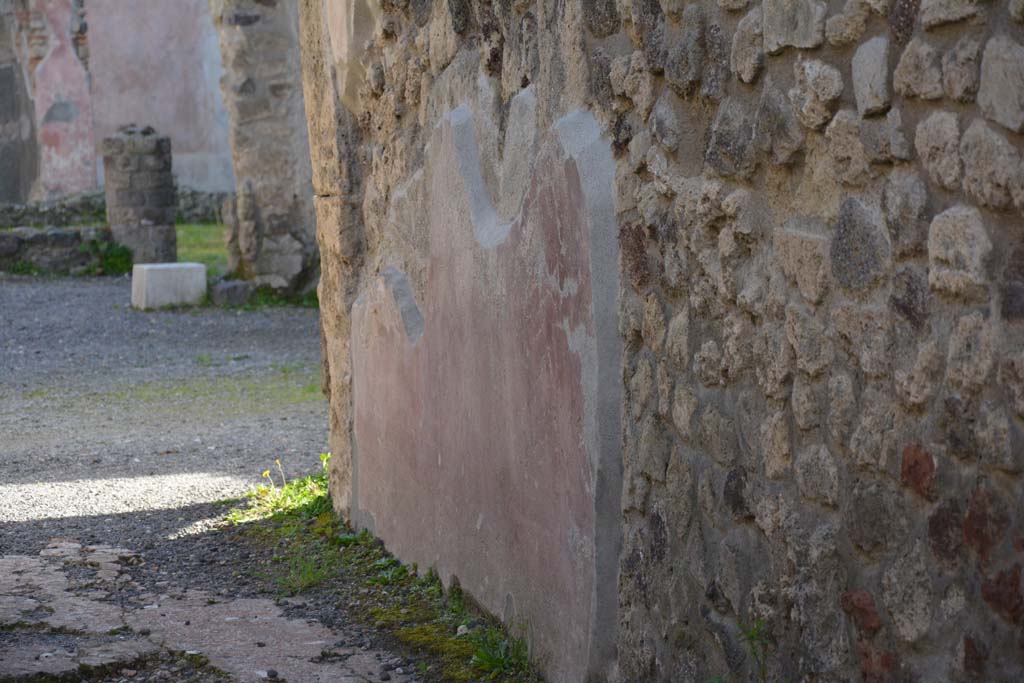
x=140 y=191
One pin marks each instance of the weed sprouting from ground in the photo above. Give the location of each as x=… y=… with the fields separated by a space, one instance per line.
x=758 y=640
x=303 y=573
x=499 y=653
x=316 y=552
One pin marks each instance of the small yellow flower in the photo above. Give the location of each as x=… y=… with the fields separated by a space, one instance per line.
x=266 y=474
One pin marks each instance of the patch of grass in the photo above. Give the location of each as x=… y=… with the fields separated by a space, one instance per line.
x=23 y=268
x=266 y=297
x=111 y=258
x=758 y=639
x=316 y=551
x=203 y=243
x=304 y=573
x=498 y=653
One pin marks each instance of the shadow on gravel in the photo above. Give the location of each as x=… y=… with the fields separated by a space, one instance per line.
x=167 y=533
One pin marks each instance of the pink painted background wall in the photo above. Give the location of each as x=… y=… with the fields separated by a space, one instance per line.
x=151 y=62
x=157 y=62
x=62 y=102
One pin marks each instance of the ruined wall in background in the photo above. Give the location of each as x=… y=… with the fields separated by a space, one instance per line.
x=272 y=227
x=49 y=43
x=83 y=68
x=18 y=146
x=818 y=208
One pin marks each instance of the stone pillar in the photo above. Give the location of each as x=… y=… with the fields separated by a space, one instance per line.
x=140 y=193
x=271 y=224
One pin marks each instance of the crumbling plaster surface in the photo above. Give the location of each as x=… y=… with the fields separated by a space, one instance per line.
x=821 y=316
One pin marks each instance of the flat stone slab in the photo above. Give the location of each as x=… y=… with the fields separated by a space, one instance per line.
x=155 y=285
x=63 y=612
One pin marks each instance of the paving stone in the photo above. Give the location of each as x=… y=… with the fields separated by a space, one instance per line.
x=155 y=285
x=793 y=23
x=919 y=72
x=938 y=12
x=871 y=76
x=993 y=172
x=958 y=247
x=815 y=93
x=1001 y=92
x=937 y=141
x=860 y=251
x=906 y=212
x=960 y=67
x=747 y=55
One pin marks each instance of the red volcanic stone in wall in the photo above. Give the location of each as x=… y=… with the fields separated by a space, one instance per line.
x=1003 y=594
x=861 y=606
x=876 y=666
x=984 y=522
x=975 y=656
x=918 y=470
x=945 y=530
x=633 y=247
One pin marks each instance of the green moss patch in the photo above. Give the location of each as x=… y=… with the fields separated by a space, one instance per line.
x=314 y=553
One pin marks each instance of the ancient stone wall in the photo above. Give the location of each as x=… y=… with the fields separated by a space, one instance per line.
x=820 y=391
x=272 y=228
x=75 y=250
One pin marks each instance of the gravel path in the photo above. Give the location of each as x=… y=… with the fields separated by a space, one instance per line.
x=121 y=435
x=107 y=412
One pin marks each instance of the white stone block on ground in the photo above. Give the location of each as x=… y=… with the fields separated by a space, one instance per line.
x=155 y=285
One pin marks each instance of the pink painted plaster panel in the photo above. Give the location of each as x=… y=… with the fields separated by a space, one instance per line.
x=477 y=400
